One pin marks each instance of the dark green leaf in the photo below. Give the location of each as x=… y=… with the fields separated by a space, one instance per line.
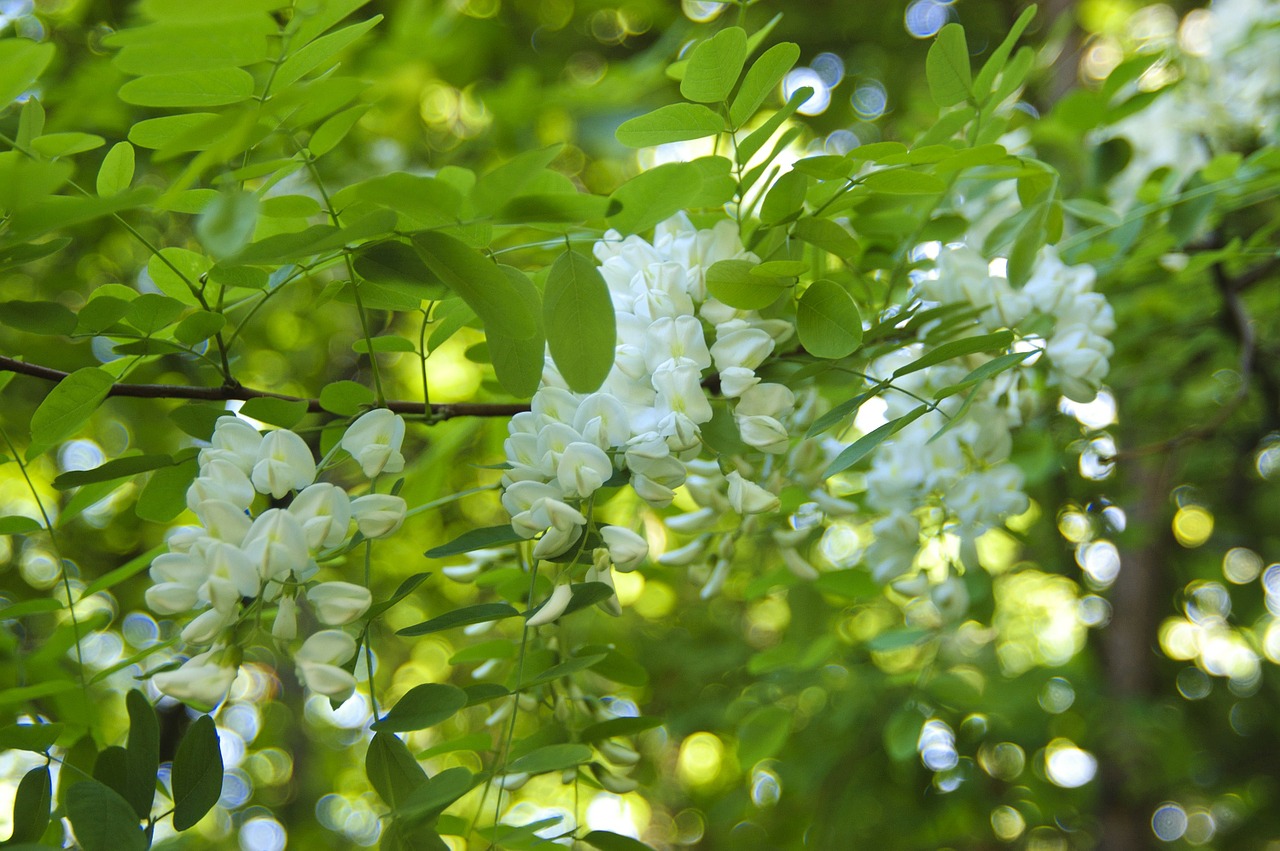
x=785 y=199
x=31 y=806
x=142 y=751
x=656 y=194
x=164 y=496
x=398 y=265
x=551 y=758
x=484 y=692
x=38 y=317
x=714 y=66
x=578 y=314
x=150 y=312
x=433 y=797
x=498 y=302
x=557 y=207
x=518 y=361
x=16 y=524
x=476 y=539
x=957 y=348
x=619 y=727
x=860 y=448
x=103 y=821
x=607 y=840
x=564 y=669
x=479 y=613
x=197 y=773
x=763 y=733
x=70 y=404
x=827 y=321
x=748 y=147
x=199 y=327
x=422 y=707
x=37 y=738
x=392 y=770
x=37 y=606
x=112 y=470
x=677 y=122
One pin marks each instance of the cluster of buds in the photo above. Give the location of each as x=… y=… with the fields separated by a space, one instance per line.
x=264 y=522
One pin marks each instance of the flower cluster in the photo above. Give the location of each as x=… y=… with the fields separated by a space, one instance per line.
x=264 y=520
x=643 y=425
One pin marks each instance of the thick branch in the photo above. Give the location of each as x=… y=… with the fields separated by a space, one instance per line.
x=434 y=412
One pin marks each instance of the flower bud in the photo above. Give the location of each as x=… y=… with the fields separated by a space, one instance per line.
x=201 y=683
x=737 y=380
x=764 y=433
x=170 y=598
x=798 y=565
x=338 y=603
x=626 y=548
x=378 y=515
x=555 y=542
x=374 y=440
x=329 y=680
x=284 y=464
x=685 y=555
x=553 y=608
x=748 y=497
x=205 y=628
x=285 y=626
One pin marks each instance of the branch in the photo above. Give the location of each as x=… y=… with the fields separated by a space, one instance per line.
x=227 y=392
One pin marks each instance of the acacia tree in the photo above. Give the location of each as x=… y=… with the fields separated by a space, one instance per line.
x=727 y=501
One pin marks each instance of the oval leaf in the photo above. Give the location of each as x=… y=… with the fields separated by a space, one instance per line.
x=70 y=404
x=103 y=821
x=827 y=321
x=714 y=66
x=581 y=328
x=480 y=613
x=551 y=758
x=678 y=122
x=197 y=773
x=422 y=707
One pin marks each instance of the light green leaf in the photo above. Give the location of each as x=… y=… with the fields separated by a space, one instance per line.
x=212 y=87
x=762 y=78
x=150 y=312
x=732 y=282
x=110 y=471
x=392 y=770
x=476 y=539
x=199 y=326
x=70 y=404
x=581 y=329
x=763 y=733
x=156 y=133
x=405 y=589
x=16 y=524
x=677 y=122
x=284 y=413
x=498 y=302
x=518 y=361
x=556 y=207
x=947 y=67
x=828 y=321
x=748 y=147
x=65 y=144
x=785 y=199
x=103 y=821
x=828 y=236
x=498 y=185
x=714 y=66
x=116 y=172
x=433 y=797
x=164 y=496
x=860 y=448
x=421 y=707
x=21 y=63
x=334 y=129
x=654 y=195
x=551 y=758
x=320 y=51
x=346 y=398
x=957 y=348
x=995 y=63
x=227 y=224
x=37 y=738
x=479 y=613
x=898 y=181
x=197 y=773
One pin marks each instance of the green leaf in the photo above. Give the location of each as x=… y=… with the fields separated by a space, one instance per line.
x=164 y=496
x=21 y=63
x=142 y=753
x=399 y=266
x=70 y=404
x=656 y=194
x=31 y=806
x=392 y=770
x=479 y=613
x=22 y=694
x=627 y=726
x=863 y=446
x=990 y=369
x=677 y=122
x=607 y=840
x=134 y=566
x=518 y=361
x=748 y=147
x=103 y=821
x=762 y=78
x=38 y=317
x=334 y=129
x=432 y=798
x=732 y=282
x=1092 y=211
x=578 y=314
x=995 y=63
x=564 y=669
x=284 y=413
x=714 y=66
x=477 y=539
x=483 y=286
x=828 y=321
x=405 y=589
x=227 y=224
x=197 y=773
x=855 y=584
x=828 y=236
x=484 y=692
x=551 y=758
x=64 y=144
x=119 y=468
x=896 y=639
x=763 y=733
x=422 y=707
x=38 y=606
x=496 y=186
x=16 y=524
x=499 y=648
x=320 y=51
x=346 y=398
x=785 y=199
x=947 y=67
x=212 y=87
x=151 y=312
x=37 y=738
x=556 y=207
x=898 y=181
x=198 y=327
x=957 y=348
x=156 y=133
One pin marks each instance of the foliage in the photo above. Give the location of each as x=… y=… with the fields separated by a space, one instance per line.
x=712 y=493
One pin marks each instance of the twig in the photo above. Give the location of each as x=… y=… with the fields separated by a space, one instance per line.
x=435 y=412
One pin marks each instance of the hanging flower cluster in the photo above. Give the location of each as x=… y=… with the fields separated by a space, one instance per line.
x=643 y=425
x=264 y=521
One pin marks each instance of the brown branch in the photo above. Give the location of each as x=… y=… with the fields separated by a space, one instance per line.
x=434 y=412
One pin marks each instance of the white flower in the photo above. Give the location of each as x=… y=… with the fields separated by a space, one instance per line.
x=284 y=464
x=338 y=603
x=583 y=468
x=896 y=543
x=234 y=441
x=224 y=521
x=626 y=548
x=324 y=510
x=277 y=545
x=677 y=339
x=656 y=494
x=736 y=380
x=738 y=344
x=207 y=626
x=202 y=682
x=680 y=391
x=222 y=480
x=602 y=420
x=170 y=598
x=685 y=555
x=747 y=497
x=317 y=663
x=764 y=433
x=553 y=608
x=798 y=564
x=556 y=542
x=231 y=576
x=769 y=400
x=378 y=515
x=374 y=440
